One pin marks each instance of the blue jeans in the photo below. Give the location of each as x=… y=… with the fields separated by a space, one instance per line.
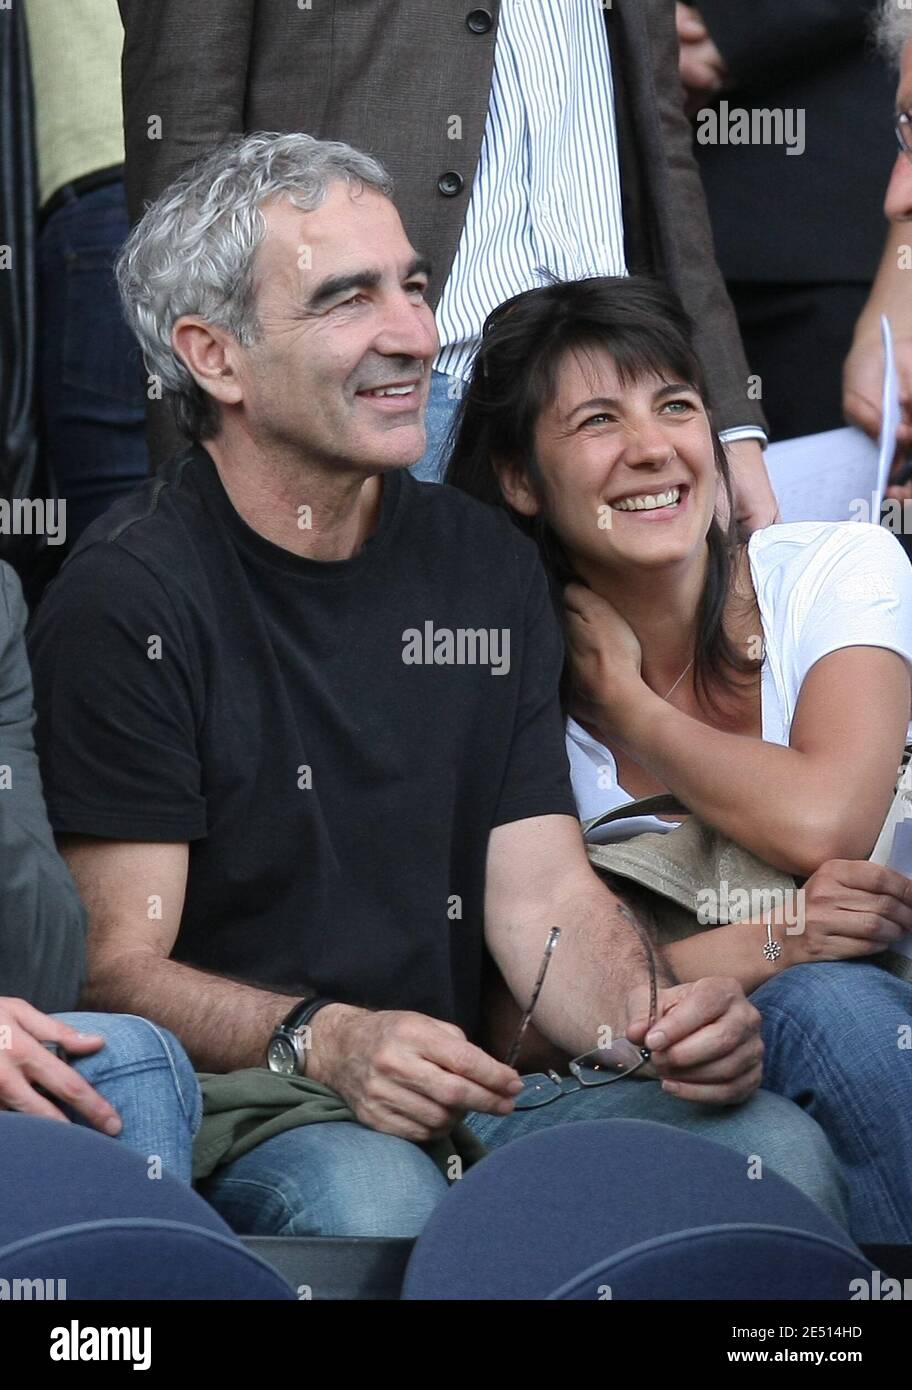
x=143 y=1071
x=333 y=1179
x=765 y=1127
x=441 y=408
x=346 y=1180
x=838 y=1044
x=90 y=373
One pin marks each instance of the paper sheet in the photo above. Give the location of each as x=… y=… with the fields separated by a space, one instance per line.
x=901 y=860
x=891 y=413
x=822 y=477
x=840 y=475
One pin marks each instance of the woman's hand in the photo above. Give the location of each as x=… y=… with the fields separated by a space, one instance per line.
x=606 y=659
x=26 y=1064
x=852 y=909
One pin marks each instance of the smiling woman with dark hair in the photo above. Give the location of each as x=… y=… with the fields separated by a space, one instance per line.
x=520 y=369
x=765 y=682
x=694 y=651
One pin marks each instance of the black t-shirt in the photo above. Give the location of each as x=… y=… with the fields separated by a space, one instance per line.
x=336 y=740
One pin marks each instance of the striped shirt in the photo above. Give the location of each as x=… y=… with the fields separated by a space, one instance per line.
x=547 y=189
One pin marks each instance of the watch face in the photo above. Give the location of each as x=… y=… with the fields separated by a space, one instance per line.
x=280 y=1056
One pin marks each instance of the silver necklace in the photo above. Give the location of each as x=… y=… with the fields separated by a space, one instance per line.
x=680 y=678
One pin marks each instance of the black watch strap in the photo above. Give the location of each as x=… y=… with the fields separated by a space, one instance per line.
x=291 y=1027
x=303 y=1012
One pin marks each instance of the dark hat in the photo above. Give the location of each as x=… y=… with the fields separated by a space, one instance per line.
x=628 y=1209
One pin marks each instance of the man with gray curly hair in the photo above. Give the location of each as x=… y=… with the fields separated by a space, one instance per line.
x=301 y=736
x=891 y=293
x=894 y=32
x=193 y=256
x=894 y=29
x=463 y=106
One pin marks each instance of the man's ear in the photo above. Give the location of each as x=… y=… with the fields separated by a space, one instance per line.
x=205 y=351
x=516 y=488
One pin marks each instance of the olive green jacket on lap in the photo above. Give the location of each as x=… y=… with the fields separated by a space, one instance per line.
x=242 y=1109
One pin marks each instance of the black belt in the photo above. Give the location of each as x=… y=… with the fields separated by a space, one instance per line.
x=69 y=192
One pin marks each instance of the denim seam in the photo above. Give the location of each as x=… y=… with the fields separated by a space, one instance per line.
x=227 y=1184
x=818 y=1061
x=193 y=1121
x=137 y=1065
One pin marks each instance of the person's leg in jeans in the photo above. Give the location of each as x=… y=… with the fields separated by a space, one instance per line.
x=769 y=1132
x=443 y=399
x=143 y=1071
x=91 y=378
x=838 y=1043
x=332 y=1179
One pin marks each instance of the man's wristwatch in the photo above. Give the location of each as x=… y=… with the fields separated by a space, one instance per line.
x=287 y=1051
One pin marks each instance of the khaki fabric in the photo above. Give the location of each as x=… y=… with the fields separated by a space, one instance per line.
x=679 y=865
x=666 y=874
x=75 y=49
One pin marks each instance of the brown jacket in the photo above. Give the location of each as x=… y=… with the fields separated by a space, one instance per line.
x=386 y=76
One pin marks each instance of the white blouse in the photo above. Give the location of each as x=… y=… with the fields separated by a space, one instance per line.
x=820 y=586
